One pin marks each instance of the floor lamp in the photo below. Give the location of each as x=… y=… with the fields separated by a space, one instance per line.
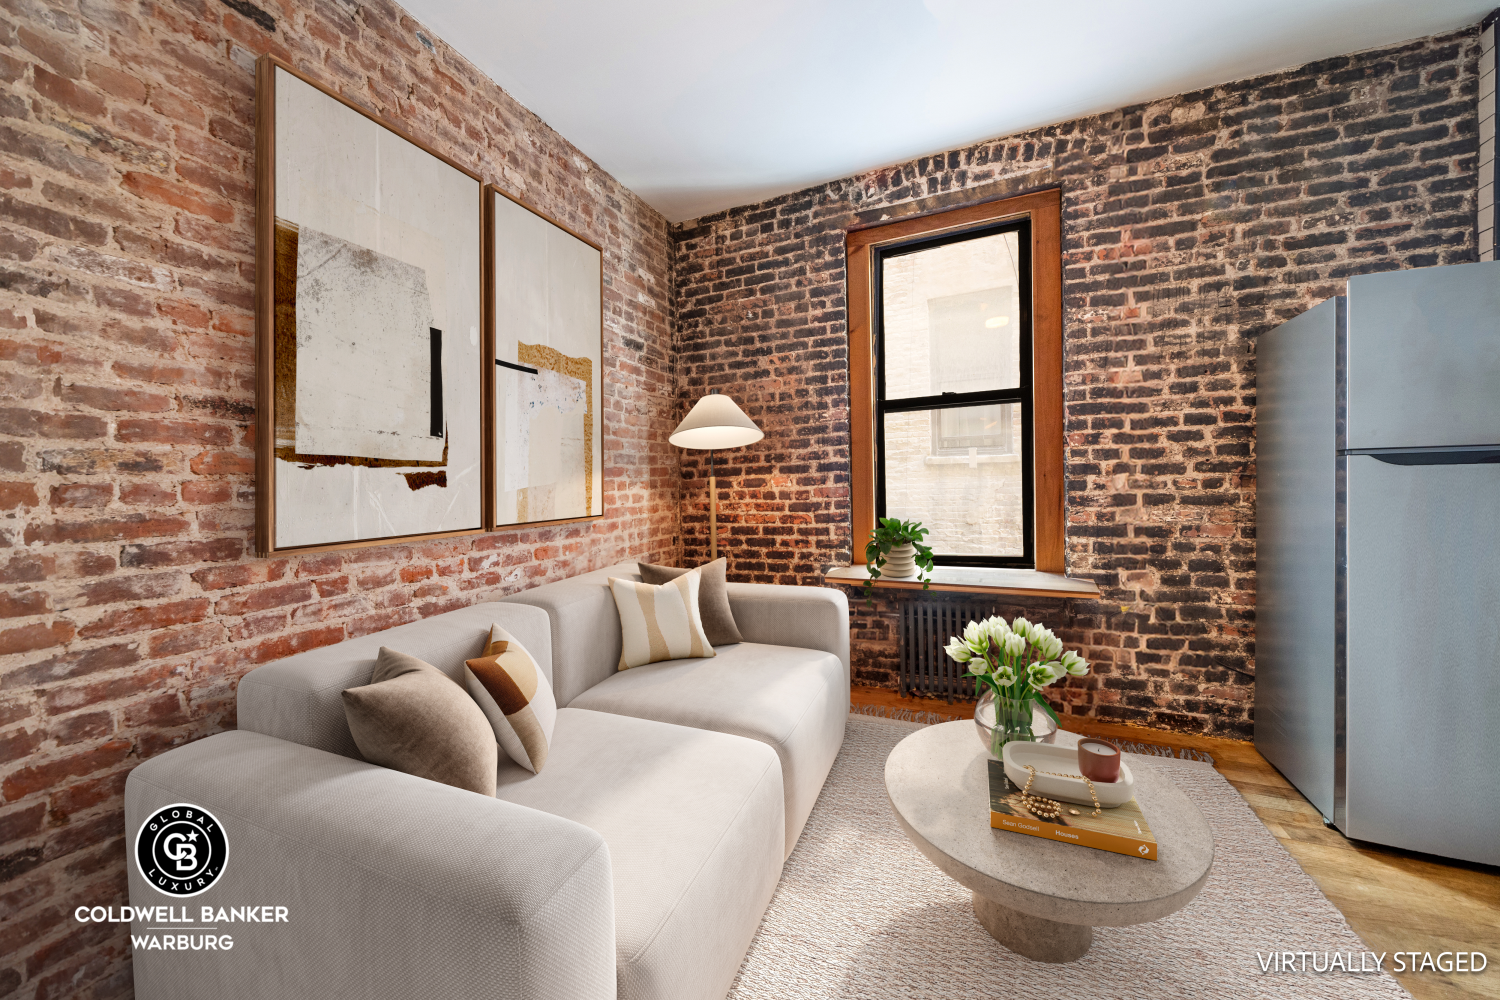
x=714 y=423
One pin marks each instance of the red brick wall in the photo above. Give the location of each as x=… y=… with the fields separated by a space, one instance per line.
x=130 y=599
x=1190 y=225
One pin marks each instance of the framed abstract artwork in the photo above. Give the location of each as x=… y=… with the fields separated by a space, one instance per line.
x=370 y=382
x=545 y=327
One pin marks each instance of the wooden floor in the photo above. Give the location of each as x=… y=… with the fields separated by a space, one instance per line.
x=1395 y=900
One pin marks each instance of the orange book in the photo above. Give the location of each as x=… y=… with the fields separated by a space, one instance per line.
x=1122 y=830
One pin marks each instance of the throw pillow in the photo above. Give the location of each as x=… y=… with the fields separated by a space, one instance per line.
x=659 y=623
x=412 y=717
x=514 y=695
x=713 y=598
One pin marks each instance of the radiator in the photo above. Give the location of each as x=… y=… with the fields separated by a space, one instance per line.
x=926 y=627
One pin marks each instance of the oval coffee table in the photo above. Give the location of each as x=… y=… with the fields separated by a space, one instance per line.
x=1038 y=897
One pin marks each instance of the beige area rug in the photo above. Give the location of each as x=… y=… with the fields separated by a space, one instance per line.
x=860 y=913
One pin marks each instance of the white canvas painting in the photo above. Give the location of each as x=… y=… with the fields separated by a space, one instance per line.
x=364 y=354
x=385 y=242
x=549 y=426
x=544 y=452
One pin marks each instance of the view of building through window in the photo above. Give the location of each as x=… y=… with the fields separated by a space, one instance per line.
x=952 y=323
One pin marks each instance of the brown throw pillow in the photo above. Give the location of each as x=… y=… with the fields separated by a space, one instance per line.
x=412 y=717
x=713 y=597
x=514 y=695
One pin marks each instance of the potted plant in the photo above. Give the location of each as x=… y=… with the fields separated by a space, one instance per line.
x=895 y=549
x=1012 y=663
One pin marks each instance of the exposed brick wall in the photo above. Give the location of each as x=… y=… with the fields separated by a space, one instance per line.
x=130 y=597
x=1190 y=226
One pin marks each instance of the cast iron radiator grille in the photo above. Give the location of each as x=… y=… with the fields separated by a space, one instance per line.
x=926 y=627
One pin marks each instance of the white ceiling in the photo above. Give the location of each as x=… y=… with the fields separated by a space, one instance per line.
x=702 y=105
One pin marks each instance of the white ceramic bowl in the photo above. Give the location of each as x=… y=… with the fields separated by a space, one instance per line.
x=1064 y=760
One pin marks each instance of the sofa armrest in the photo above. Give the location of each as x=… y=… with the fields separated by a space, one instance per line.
x=394 y=886
x=809 y=617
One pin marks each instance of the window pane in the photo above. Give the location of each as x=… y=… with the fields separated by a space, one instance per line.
x=952 y=318
x=958 y=471
x=986 y=428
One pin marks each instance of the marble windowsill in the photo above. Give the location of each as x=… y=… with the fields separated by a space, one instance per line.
x=975 y=580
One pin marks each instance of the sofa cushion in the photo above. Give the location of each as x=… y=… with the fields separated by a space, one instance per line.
x=713 y=597
x=659 y=622
x=794 y=700
x=515 y=696
x=585 y=627
x=299 y=698
x=412 y=717
x=694 y=824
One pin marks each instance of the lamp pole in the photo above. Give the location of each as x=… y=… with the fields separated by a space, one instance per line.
x=713 y=510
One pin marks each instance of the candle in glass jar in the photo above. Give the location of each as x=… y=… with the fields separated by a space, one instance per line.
x=1098 y=760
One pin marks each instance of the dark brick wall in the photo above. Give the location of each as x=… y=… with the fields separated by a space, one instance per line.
x=130 y=598
x=1190 y=225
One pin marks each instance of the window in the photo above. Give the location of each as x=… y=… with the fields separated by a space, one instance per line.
x=953 y=390
x=956 y=381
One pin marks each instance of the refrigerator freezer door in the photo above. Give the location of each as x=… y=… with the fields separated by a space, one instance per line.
x=1423 y=704
x=1296 y=385
x=1424 y=357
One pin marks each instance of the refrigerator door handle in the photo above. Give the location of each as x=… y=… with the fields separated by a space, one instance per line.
x=1466 y=455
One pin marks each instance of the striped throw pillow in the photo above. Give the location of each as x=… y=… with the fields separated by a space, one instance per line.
x=515 y=697
x=660 y=623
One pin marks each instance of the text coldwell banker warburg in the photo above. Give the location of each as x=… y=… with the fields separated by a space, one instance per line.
x=152 y=915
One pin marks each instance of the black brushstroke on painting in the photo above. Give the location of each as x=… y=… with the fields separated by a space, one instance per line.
x=436 y=429
x=253 y=12
x=519 y=368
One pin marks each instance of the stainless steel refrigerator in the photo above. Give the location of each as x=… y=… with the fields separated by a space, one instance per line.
x=1377 y=636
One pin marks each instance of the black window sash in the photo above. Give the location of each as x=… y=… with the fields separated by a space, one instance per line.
x=1021 y=394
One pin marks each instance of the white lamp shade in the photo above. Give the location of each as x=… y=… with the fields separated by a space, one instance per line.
x=713 y=423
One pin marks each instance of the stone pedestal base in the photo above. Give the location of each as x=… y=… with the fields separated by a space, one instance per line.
x=1038 y=939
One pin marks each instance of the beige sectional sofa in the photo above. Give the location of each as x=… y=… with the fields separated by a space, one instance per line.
x=637 y=864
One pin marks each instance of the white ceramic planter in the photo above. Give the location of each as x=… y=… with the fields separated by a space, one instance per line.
x=901 y=561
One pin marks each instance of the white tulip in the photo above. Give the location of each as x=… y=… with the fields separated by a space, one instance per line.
x=958 y=651
x=996 y=629
x=974 y=635
x=1040 y=675
x=1005 y=675
x=1074 y=664
x=1020 y=626
x=1015 y=644
x=1051 y=646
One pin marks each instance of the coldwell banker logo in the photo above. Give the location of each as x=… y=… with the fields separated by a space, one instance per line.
x=181 y=849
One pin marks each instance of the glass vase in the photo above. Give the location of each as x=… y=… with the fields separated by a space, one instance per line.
x=1003 y=720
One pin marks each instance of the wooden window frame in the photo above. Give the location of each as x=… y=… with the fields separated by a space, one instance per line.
x=1044 y=210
